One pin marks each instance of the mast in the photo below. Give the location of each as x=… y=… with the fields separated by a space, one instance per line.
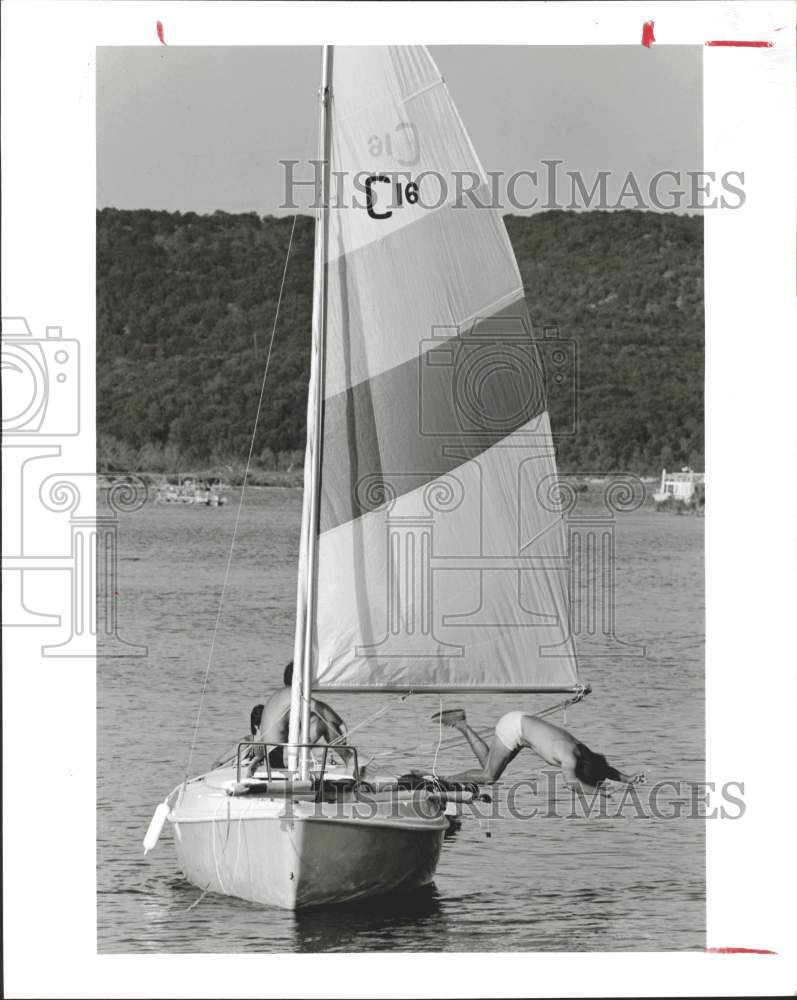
x=322 y=235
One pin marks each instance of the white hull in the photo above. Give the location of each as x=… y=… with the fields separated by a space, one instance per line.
x=293 y=852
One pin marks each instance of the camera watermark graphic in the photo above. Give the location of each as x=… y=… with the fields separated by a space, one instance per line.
x=41 y=403
x=559 y=357
x=41 y=381
x=494 y=376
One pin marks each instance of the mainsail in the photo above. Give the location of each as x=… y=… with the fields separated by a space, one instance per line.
x=439 y=549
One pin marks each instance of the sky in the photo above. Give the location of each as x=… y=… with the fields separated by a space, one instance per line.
x=200 y=129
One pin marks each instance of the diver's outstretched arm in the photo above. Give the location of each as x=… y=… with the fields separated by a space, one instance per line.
x=628 y=779
x=633 y=779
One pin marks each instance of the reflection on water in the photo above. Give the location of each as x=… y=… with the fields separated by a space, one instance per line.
x=552 y=883
x=387 y=925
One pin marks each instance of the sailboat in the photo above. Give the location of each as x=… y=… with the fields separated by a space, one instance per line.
x=432 y=551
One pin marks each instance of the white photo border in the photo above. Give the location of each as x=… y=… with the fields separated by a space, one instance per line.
x=49 y=192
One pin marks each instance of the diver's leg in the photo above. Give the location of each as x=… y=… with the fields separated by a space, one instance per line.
x=455 y=718
x=492 y=768
x=477 y=744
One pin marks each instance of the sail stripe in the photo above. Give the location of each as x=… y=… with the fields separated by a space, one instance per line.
x=384 y=304
x=425 y=417
x=481 y=557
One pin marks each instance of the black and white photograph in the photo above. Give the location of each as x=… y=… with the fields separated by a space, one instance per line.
x=499 y=514
x=403 y=549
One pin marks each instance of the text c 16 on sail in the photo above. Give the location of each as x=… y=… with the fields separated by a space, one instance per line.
x=404 y=193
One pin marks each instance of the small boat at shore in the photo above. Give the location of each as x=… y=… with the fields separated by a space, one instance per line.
x=681 y=491
x=191 y=491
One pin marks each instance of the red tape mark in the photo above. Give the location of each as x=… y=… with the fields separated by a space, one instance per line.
x=159 y=29
x=647 y=34
x=742 y=45
x=740 y=951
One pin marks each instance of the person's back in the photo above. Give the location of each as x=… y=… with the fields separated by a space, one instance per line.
x=542 y=735
x=274 y=726
x=276 y=717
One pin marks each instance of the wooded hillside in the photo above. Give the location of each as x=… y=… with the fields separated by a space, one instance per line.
x=185 y=307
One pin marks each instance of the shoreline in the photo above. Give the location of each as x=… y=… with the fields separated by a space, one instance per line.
x=255 y=478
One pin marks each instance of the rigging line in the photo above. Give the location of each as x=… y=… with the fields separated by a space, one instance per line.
x=199 y=899
x=369 y=718
x=448 y=744
x=241 y=499
x=439 y=737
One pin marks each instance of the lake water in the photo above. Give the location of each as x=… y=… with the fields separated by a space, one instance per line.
x=550 y=883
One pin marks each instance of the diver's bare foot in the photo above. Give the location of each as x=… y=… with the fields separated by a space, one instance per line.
x=450 y=716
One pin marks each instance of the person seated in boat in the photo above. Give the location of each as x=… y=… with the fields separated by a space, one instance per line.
x=269 y=724
x=518 y=731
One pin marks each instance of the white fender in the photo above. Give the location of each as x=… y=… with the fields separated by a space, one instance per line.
x=156 y=826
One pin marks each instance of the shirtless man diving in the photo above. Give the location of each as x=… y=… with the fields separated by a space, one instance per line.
x=269 y=724
x=518 y=731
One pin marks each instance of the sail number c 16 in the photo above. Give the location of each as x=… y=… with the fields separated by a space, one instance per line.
x=401 y=193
